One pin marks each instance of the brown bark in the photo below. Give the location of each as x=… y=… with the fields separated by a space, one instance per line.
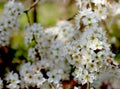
x=35 y=13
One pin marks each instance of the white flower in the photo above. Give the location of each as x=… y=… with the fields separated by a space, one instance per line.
x=13 y=9
x=13 y=80
x=95 y=44
x=33 y=32
x=63 y=31
x=99 y=1
x=10 y=21
x=101 y=12
x=26 y=69
x=53 y=77
x=92 y=67
x=78 y=73
x=19 y=8
x=76 y=60
x=85 y=12
x=90 y=19
x=39 y=79
x=31 y=54
x=87 y=77
x=29 y=79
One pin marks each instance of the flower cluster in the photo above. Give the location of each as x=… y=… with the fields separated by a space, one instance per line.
x=9 y=21
x=12 y=80
x=63 y=52
x=31 y=75
x=47 y=51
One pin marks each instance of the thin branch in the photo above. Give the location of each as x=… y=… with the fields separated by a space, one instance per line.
x=89 y=1
x=28 y=18
x=71 y=18
x=32 y=6
x=36 y=50
x=27 y=10
x=88 y=85
x=52 y=86
x=35 y=13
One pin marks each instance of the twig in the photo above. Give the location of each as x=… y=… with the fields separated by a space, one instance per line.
x=28 y=18
x=33 y=5
x=27 y=10
x=71 y=18
x=88 y=85
x=36 y=50
x=35 y=13
x=90 y=4
x=52 y=86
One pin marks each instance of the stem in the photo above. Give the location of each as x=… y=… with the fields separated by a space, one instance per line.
x=28 y=18
x=32 y=6
x=35 y=13
x=89 y=1
x=36 y=50
x=71 y=18
x=80 y=4
x=27 y=10
x=52 y=86
x=88 y=85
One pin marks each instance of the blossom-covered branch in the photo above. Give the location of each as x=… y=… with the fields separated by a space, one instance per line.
x=64 y=52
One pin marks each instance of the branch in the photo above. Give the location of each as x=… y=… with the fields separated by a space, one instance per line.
x=71 y=18
x=52 y=86
x=32 y=6
x=28 y=18
x=88 y=85
x=89 y=2
x=27 y=10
